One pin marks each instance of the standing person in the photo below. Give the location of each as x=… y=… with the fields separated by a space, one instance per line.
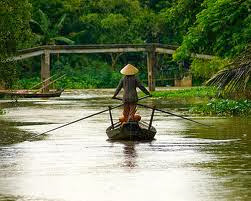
x=130 y=97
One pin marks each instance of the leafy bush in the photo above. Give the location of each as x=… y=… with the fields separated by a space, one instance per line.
x=81 y=72
x=204 y=69
x=224 y=107
x=26 y=83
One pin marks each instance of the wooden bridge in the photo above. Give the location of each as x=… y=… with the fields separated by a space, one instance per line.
x=151 y=49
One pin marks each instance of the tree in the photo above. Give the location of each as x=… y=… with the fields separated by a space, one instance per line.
x=48 y=33
x=223 y=28
x=176 y=18
x=14 y=34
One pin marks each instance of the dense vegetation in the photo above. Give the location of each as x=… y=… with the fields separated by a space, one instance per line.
x=217 y=27
x=224 y=107
x=14 y=34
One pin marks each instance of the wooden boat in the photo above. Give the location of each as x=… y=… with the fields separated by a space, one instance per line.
x=132 y=130
x=31 y=94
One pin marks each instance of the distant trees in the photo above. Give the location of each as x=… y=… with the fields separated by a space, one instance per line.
x=217 y=27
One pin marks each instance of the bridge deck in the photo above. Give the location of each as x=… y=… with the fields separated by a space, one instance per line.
x=101 y=48
x=151 y=49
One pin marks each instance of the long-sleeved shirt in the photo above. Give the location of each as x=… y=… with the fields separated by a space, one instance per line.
x=129 y=83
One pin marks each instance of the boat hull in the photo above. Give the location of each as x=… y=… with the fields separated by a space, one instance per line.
x=19 y=94
x=134 y=131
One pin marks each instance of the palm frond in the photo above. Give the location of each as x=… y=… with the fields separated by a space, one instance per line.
x=36 y=27
x=59 y=25
x=45 y=22
x=64 y=39
x=235 y=76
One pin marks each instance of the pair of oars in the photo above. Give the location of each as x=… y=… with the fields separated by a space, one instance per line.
x=67 y=124
x=103 y=111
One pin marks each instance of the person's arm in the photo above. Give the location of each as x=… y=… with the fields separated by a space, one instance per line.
x=119 y=87
x=142 y=88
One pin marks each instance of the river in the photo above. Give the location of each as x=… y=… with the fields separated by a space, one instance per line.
x=186 y=161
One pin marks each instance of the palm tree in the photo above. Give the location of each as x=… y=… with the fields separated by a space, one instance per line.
x=235 y=76
x=48 y=33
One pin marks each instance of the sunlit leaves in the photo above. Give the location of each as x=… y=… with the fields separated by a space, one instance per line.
x=220 y=29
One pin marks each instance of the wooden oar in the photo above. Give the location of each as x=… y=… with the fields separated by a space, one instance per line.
x=42 y=82
x=166 y=112
x=76 y=121
x=51 y=82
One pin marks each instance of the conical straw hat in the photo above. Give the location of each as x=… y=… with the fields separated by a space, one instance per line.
x=129 y=70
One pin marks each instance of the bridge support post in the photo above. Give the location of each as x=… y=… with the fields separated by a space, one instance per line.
x=151 y=61
x=45 y=70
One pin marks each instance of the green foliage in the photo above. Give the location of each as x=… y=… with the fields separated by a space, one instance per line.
x=223 y=28
x=191 y=92
x=224 y=107
x=48 y=33
x=204 y=69
x=177 y=17
x=14 y=34
x=218 y=27
x=81 y=72
x=108 y=21
x=26 y=83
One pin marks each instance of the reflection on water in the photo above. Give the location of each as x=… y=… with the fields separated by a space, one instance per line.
x=76 y=163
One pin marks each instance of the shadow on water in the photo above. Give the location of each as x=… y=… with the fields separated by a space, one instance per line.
x=11 y=134
x=130 y=154
x=130 y=151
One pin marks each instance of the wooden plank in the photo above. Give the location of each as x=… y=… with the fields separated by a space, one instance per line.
x=96 y=46
x=164 y=50
x=88 y=51
x=45 y=70
x=151 y=60
x=26 y=55
x=101 y=48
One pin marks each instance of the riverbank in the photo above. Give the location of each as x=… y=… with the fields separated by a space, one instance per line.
x=211 y=104
x=194 y=100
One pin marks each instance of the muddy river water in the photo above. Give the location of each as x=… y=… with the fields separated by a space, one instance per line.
x=186 y=161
